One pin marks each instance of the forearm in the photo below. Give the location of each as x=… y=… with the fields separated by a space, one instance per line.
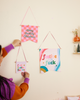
x=7 y=49
x=21 y=90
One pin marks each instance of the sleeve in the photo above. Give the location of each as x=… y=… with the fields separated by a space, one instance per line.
x=7 y=49
x=21 y=90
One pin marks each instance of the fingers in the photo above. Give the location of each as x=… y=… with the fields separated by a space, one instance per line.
x=16 y=43
x=25 y=74
x=22 y=73
x=19 y=44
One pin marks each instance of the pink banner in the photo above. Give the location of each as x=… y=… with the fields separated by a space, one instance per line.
x=29 y=33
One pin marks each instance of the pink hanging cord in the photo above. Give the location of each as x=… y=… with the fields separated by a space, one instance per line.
x=46 y=37
x=23 y=54
x=26 y=13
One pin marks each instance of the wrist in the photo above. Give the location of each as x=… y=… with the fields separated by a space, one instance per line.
x=13 y=45
x=26 y=77
x=26 y=80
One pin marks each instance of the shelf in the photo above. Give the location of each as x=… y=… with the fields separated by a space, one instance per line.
x=77 y=53
x=77 y=42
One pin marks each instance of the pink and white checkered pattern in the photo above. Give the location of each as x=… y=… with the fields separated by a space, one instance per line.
x=29 y=33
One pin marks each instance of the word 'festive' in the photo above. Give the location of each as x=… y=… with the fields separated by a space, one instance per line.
x=48 y=56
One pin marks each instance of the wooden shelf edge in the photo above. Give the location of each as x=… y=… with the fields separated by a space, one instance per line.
x=77 y=42
x=77 y=53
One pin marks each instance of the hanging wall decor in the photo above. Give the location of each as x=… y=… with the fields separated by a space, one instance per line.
x=49 y=58
x=29 y=32
x=21 y=65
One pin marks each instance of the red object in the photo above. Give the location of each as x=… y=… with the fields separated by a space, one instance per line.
x=76 y=38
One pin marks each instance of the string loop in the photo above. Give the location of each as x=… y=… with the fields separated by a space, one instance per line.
x=23 y=54
x=26 y=13
x=53 y=38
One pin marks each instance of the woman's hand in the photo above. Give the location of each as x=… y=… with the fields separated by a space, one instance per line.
x=16 y=43
x=25 y=74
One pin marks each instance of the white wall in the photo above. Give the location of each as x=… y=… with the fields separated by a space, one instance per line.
x=58 y=16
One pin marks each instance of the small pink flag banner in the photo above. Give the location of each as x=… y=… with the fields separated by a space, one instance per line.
x=29 y=32
x=21 y=65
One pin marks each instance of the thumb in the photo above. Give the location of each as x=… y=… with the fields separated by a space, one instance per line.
x=22 y=73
